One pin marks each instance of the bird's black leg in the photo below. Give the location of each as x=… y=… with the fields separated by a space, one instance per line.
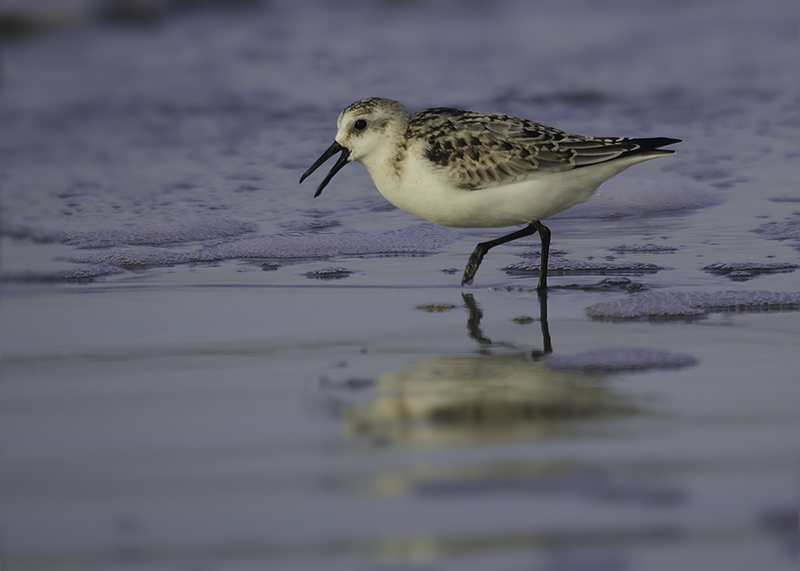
x=544 y=234
x=483 y=247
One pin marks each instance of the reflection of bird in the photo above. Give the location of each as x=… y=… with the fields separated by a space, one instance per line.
x=478 y=170
x=450 y=400
x=476 y=333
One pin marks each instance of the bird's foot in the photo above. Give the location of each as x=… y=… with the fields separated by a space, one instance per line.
x=472 y=265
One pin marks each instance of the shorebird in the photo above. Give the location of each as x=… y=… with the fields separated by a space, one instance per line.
x=479 y=170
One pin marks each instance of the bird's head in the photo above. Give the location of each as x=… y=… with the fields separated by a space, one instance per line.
x=364 y=130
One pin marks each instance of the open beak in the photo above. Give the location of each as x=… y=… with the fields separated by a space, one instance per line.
x=332 y=150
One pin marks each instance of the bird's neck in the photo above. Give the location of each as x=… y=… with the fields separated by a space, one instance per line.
x=385 y=164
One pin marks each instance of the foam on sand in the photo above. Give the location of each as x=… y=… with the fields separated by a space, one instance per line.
x=692 y=304
x=616 y=360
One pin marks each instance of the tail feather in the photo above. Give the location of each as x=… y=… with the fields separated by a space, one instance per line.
x=614 y=149
x=654 y=144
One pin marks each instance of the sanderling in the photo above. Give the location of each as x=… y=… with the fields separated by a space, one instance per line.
x=478 y=170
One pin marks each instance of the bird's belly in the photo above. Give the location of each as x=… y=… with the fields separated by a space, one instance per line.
x=432 y=198
x=508 y=205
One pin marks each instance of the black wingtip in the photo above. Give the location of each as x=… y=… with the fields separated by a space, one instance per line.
x=655 y=143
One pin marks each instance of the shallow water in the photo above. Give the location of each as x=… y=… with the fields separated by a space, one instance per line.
x=205 y=368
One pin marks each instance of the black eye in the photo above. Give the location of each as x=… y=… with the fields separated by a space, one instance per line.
x=360 y=125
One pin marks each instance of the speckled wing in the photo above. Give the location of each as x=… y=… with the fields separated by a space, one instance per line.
x=483 y=150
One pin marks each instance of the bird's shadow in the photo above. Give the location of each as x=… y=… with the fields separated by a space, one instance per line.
x=476 y=333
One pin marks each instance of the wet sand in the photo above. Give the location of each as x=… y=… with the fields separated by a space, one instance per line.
x=165 y=419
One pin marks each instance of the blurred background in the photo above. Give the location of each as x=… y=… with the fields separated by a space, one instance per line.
x=137 y=96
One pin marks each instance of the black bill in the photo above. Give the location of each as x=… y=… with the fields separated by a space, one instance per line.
x=332 y=150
